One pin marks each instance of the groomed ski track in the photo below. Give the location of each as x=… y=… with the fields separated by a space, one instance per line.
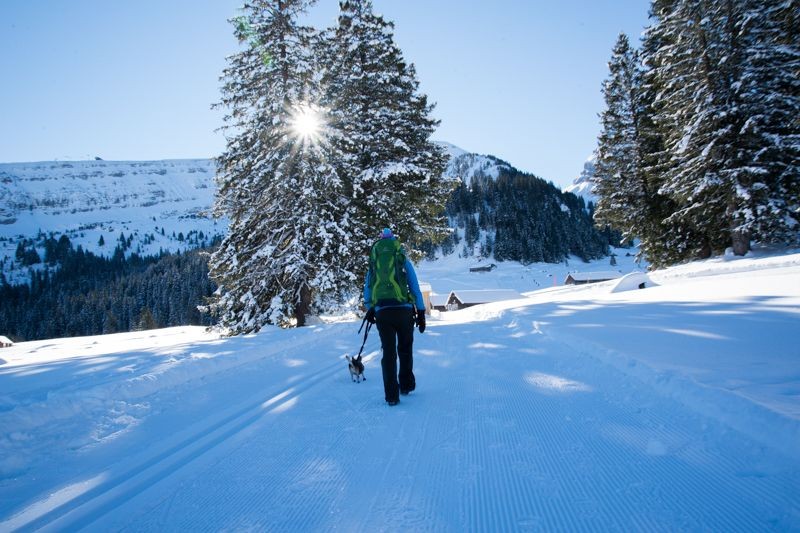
x=520 y=436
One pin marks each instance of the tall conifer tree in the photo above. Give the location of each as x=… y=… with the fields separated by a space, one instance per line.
x=277 y=186
x=732 y=169
x=618 y=179
x=391 y=170
x=767 y=89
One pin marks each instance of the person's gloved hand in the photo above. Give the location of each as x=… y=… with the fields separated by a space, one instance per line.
x=371 y=315
x=421 y=320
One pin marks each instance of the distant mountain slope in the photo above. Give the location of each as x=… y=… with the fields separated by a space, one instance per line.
x=155 y=205
x=510 y=215
x=160 y=204
x=467 y=166
x=70 y=188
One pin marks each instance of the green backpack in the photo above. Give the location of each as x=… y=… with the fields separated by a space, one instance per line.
x=388 y=274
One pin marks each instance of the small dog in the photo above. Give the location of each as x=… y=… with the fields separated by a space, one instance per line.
x=356 y=368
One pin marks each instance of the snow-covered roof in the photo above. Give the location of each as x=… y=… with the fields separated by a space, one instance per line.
x=594 y=276
x=485 y=295
x=5 y=340
x=439 y=299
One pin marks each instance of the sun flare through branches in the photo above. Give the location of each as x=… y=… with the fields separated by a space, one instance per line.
x=307 y=123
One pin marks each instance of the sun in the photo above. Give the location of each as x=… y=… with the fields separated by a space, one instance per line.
x=307 y=122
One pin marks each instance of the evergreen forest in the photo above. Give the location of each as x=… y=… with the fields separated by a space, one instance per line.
x=76 y=293
x=700 y=144
x=520 y=217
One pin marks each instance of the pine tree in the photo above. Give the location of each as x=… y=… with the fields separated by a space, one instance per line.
x=281 y=256
x=767 y=89
x=390 y=169
x=631 y=160
x=728 y=109
x=618 y=179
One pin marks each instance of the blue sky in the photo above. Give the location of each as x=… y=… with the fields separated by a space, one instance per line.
x=519 y=79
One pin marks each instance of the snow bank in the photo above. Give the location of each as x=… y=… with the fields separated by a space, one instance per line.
x=633 y=281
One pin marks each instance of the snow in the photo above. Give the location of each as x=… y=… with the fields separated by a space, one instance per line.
x=633 y=281
x=89 y=199
x=451 y=150
x=582 y=185
x=676 y=407
x=466 y=166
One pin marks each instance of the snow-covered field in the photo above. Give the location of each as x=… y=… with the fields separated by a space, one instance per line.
x=672 y=408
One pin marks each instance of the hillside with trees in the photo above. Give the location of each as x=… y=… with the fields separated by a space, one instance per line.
x=76 y=293
x=516 y=216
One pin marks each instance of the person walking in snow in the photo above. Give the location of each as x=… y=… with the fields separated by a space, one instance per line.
x=394 y=303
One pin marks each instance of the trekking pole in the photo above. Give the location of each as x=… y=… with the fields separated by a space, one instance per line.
x=366 y=332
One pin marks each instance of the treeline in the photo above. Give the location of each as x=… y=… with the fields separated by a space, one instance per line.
x=520 y=217
x=700 y=146
x=79 y=293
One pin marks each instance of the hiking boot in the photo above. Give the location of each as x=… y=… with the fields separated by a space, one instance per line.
x=405 y=392
x=392 y=402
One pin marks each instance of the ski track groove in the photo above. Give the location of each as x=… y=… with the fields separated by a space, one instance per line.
x=401 y=508
x=289 y=501
x=503 y=457
x=731 y=515
x=588 y=447
x=95 y=503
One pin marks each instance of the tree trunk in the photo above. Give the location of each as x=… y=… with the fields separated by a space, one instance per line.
x=704 y=251
x=740 y=241
x=303 y=307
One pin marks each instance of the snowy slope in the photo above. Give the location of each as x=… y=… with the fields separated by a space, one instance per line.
x=89 y=199
x=466 y=167
x=676 y=407
x=152 y=202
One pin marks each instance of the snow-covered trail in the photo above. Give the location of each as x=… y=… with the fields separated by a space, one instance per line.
x=575 y=409
x=520 y=433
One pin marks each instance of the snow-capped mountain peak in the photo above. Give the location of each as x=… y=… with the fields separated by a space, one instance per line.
x=450 y=149
x=582 y=186
x=466 y=166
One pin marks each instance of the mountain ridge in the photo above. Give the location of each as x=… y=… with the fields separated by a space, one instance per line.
x=154 y=204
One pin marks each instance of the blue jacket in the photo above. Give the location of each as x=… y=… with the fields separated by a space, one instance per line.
x=413 y=286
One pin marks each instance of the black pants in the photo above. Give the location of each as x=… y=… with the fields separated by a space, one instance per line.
x=396 y=328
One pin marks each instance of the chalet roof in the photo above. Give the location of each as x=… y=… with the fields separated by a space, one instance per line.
x=595 y=276
x=5 y=340
x=485 y=296
x=439 y=299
